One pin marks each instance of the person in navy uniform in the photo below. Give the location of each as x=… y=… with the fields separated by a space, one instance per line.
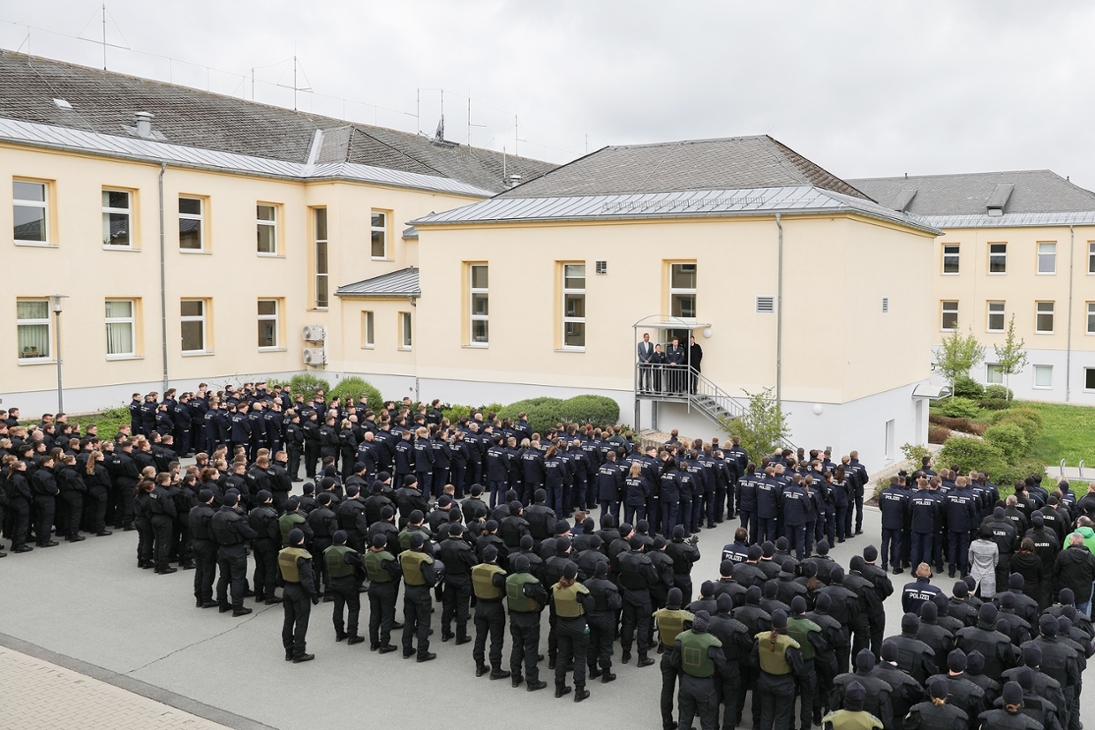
x=894 y=503
x=923 y=510
x=795 y=511
x=674 y=358
x=960 y=514
x=916 y=594
x=768 y=489
x=646 y=355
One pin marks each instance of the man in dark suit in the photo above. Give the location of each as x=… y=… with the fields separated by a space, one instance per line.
x=646 y=352
x=696 y=356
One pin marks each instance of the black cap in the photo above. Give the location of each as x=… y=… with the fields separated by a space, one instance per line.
x=961 y=590
x=987 y=613
x=823 y=602
x=725 y=603
x=707 y=589
x=232 y=499
x=678 y=532
x=928 y=612
x=608 y=521
x=562 y=527
x=956 y=661
x=1032 y=655
x=975 y=662
x=822 y=547
x=673 y=599
x=636 y=542
x=1066 y=596
x=659 y=542
x=521 y=563
x=380 y=541
x=296 y=536
x=768 y=549
x=788 y=565
x=1013 y=693
x=642 y=526
x=998 y=513
x=490 y=553
x=870 y=553
x=889 y=651
x=207 y=494
x=701 y=621
x=779 y=619
x=352 y=490
x=782 y=544
x=601 y=571
x=339 y=537
x=527 y=542
x=938 y=689
x=1048 y=625
x=570 y=570
x=864 y=660
x=1007 y=600
x=387 y=512
x=855 y=695
x=910 y=622
x=1016 y=582
x=754 y=552
x=444 y=500
x=416 y=540
x=798 y=604
x=491 y=525
x=752 y=595
x=539 y=496
x=409 y=480
x=1025 y=678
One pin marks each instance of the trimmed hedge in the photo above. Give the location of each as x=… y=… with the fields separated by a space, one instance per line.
x=307 y=384
x=1010 y=439
x=957 y=407
x=545 y=413
x=967 y=387
x=972 y=453
x=353 y=388
x=1029 y=421
x=998 y=391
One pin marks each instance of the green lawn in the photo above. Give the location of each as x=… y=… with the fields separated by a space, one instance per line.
x=1069 y=433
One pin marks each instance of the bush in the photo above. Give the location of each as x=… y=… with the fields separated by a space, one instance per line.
x=107 y=421
x=998 y=391
x=1021 y=470
x=307 y=384
x=964 y=425
x=352 y=388
x=915 y=453
x=995 y=404
x=971 y=453
x=938 y=434
x=1010 y=439
x=1024 y=418
x=546 y=413
x=957 y=408
x=967 y=387
x=454 y=411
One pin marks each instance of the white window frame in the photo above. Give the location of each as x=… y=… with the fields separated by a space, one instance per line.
x=368 y=330
x=1088 y=371
x=321 y=243
x=131 y=320
x=42 y=204
x=202 y=318
x=271 y=224
x=199 y=217
x=47 y=321
x=573 y=292
x=1039 y=312
x=109 y=211
x=944 y=310
x=406 y=331
x=1042 y=369
x=1091 y=258
x=473 y=317
x=989 y=314
x=1091 y=318
x=275 y=318
x=1004 y=257
x=673 y=291
x=1050 y=257
x=956 y=254
x=993 y=376
x=382 y=230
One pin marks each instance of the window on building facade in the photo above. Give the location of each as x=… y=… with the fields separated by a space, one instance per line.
x=682 y=290
x=268 y=324
x=379 y=231
x=121 y=327
x=191 y=224
x=368 y=338
x=31 y=211
x=1091 y=258
x=479 y=304
x=34 y=329
x=993 y=374
x=1043 y=376
x=117 y=219
x=193 y=325
x=949 y=320
x=1047 y=258
x=1089 y=378
x=996 y=317
x=405 y=335
x=950 y=258
x=1043 y=320
x=267 y=227
x=320 y=261
x=574 y=306
x=1091 y=318
x=998 y=258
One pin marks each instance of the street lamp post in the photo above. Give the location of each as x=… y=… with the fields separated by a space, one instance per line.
x=56 y=302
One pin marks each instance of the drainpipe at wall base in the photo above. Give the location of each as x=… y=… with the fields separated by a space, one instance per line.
x=163 y=281
x=1068 y=345
x=779 y=317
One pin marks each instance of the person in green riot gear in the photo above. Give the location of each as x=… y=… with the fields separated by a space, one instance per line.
x=811 y=642
x=698 y=658
x=670 y=621
x=293 y=517
x=346 y=568
x=526 y=598
x=572 y=602
x=420 y=573
x=296 y=575
x=384 y=573
x=489 y=585
x=853 y=716
x=779 y=659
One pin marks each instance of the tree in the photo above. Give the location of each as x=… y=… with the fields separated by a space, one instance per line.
x=957 y=354
x=1011 y=357
x=762 y=427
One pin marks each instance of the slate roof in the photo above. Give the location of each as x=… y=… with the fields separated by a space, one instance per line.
x=104 y=102
x=401 y=283
x=939 y=197
x=706 y=164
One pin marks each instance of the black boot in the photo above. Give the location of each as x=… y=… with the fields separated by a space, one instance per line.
x=580 y=692
x=561 y=689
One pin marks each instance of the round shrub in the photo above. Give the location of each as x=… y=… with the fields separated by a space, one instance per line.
x=1021 y=470
x=998 y=391
x=598 y=410
x=543 y=413
x=967 y=387
x=1021 y=417
x=957 y=407
x=1010 y=439
x=972 y=453
x=353 y=388
x=307 y=384
x=995 y=404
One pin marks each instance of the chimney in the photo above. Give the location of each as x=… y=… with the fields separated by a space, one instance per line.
x=514 y=180
x=143 y=121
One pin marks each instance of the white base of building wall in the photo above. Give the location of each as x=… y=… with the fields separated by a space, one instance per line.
x=1025 y=386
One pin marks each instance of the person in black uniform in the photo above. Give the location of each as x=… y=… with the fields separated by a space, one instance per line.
x=419 y=575
x=962 y=693
x=489 y=586
x=324 y=525
x=459 y=559
x=162 y=508
x=296 y=575
x=384 y=572
x=601 y=620
x=526 y=598
x=264 y=521
x=572 y=602
x=936 y=714
x=737 y=643
x=204 y=549
x=1010 y=716
x=231 y=531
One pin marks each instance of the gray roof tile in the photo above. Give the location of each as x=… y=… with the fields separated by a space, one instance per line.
x=401 y=283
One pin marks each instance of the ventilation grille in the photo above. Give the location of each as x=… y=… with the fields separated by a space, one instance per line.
x=885 y=305
x=766 y=305
x=602 y=267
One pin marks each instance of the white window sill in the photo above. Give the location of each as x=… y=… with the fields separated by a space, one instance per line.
x=195 y=252
x=37 y=361
x=113 y=358
x=36 y=244
x=1050 y=332
x=382 y=258
x=995 y=332
x=272 y=349
x=319 y=309
x=477 y=346
x=270 y=255
x=368 y=347
x=953 y=273
x=129 y=249
x=948 y=331
x=997 y=273
x=1042 y=387
x=570 y=349
x=1047 y=273
x=405 y=349
x=199 y=353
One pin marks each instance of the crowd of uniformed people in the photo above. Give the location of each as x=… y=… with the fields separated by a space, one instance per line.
x=488 y=524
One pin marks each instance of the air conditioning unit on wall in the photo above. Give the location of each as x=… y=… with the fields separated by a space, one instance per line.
x=315 y=356
x=315 y=333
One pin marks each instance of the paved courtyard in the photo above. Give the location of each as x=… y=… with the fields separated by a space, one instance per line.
x=84 y=630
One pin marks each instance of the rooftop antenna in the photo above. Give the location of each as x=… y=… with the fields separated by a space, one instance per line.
x=104 y=36
x=103 y=13
x=470 y=125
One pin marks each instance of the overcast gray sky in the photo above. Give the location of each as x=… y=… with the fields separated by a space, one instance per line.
x=861 y=88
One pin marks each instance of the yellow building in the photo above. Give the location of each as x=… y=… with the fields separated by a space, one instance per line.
x=1017 y=244
x=195 y=236
x=788 y=276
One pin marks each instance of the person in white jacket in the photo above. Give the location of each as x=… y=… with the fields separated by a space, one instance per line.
x=984 y=555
